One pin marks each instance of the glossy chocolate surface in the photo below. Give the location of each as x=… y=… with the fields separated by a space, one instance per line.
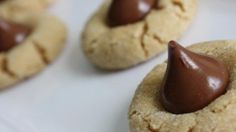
x=192 y=81
x=124 y=12
x=12 y=34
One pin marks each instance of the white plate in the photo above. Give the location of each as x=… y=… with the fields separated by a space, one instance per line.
x=73 y=96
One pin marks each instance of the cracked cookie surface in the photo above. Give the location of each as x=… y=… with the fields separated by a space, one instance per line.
x=125 y=46
x=39 y=49
x=10 y=7
x=148 y=115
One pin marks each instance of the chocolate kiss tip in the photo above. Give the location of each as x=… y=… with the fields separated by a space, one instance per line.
x=173 y=44
x=174 y=47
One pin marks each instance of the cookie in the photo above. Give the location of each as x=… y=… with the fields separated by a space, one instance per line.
x=148 y=115
x=9 y=7
x=39 y=48
x=127 y=45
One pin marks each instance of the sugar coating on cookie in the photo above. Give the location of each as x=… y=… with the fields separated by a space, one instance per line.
x=148 y=115
x=128 y=45
x=40 y=48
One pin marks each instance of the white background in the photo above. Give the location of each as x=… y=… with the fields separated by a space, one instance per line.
x=73 y=96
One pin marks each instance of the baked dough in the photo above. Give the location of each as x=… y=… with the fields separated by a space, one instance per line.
x=121 y=47
x=40 y=48
x=9 y=7
x=147 y=115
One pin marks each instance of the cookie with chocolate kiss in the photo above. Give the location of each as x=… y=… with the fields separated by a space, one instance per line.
x=125 y=33
x=28 y=44
x=206 y=99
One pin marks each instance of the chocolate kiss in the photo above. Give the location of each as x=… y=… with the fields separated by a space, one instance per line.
x=123 y=12
x=12 y=34
x=192 y=81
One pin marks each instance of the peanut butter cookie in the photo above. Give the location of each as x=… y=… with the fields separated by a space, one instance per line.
x=29 y=42
x=148 y=114
x=122 y=34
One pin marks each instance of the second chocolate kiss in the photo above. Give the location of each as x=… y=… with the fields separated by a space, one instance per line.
x=12 y=34
x=123 y=12
x=192 y=81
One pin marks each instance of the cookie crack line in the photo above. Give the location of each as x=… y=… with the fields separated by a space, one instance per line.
x=5 y=68
x=179 y=4
x=90 y=50
x=185 y=18
x=158 y=39
x=149 y=127
x=145 y=30
x=133 y=113
x=42 y=52
x=191 y=129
